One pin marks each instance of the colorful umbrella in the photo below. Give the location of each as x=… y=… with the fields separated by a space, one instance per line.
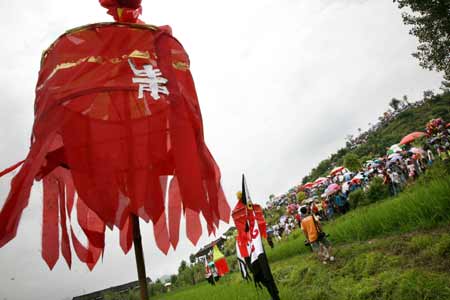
x=393 y=155
x=417 y=150
x=320 y=180
x=332 y=188
x=358 y=176
x=434 y=125
x=292 y=208
x=368 y=172
x=308 y=185
x=373 y=163
x=355 y=180
x=411 y=137
x=395 y=158
x=395 y=148
x=336 y=170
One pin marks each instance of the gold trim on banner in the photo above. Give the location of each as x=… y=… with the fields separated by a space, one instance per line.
x=180 y=65
x=97 y=25
x=139 y=54
x=94 y=59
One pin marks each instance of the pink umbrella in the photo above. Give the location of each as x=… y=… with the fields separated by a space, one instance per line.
x=292 y=208
x=332 y=188
x=417 y=150
x=336 y=170
x=411 y=137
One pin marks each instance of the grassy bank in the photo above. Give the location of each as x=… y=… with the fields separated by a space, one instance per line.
x=424 y=205
x=398 y=248
x=409 y=266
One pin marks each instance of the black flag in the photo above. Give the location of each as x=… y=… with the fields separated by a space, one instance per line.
x=257 y=260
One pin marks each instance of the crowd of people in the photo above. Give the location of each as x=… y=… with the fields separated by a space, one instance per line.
x=327 y=197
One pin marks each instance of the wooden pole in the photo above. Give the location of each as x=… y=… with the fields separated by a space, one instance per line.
x=139 y=258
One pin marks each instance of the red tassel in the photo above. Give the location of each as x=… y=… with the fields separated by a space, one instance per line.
x=193 y=226
x=19 y=194
x=126 y=236
x=95 y=252
x=91 y=224
x=50 y=230
x=161 y=234
x=65 y=243
x=174 y=212
x=12 y=168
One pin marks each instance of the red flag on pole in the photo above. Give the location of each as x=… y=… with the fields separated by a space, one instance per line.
x=251 y=226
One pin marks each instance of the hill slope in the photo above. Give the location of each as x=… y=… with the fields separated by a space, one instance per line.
x=408 y=259
x=388 y=132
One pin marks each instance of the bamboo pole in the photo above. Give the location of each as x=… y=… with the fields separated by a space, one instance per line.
x=139 y=258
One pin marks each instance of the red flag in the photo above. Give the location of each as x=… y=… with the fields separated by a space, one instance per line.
x=251 y=226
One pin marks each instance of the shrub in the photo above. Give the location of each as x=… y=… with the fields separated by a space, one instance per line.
x=352 y=162
x=356 y=198
x=377 y=191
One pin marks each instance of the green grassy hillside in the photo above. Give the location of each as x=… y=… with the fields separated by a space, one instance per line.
x=409 y=266
x=398 y=248
x=389 y=132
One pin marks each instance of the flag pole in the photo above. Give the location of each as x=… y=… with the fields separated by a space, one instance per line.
x=139 y=257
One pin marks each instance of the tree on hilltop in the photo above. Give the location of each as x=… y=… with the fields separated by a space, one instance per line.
x=351 y=162
x=395 y=104
x=430 y=22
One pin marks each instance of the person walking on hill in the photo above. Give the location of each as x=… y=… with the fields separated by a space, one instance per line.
x=395 y=181
x=430 y=156
x=341 y=202
x=314 y=234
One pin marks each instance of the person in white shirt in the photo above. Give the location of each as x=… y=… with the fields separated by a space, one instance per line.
x=395 y=181
x=430 y=156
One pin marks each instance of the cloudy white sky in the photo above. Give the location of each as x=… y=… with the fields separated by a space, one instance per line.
x=281 y=83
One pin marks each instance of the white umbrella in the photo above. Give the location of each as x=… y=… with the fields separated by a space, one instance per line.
x=395 y=158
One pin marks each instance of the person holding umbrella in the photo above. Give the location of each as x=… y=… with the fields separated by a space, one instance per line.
x=341 y=201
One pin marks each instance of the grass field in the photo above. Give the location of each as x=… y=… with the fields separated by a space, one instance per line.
x=398 y=249
x=409 y=266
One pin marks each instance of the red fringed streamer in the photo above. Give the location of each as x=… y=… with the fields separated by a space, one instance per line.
x=126 y=236
x=50 y=230
x=161 y=234
x=174 y=212
x=116 y=113
x=12 y=168
x=65 y=243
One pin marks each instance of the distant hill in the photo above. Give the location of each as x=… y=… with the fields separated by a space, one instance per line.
x=391 y=128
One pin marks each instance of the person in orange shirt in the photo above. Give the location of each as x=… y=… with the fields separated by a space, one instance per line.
x=316 y=237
